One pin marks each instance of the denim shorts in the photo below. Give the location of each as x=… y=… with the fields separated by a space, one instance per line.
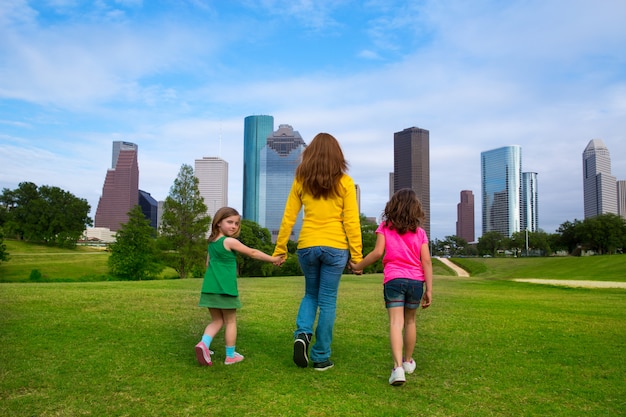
x=403 y=292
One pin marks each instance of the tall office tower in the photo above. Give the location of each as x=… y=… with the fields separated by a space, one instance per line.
x=411 y=166
x=600 y=194
x=149 y=207
x=278 y=161
x=212 y=175
x=120 y=192
x=357 y=188
x=465 y=216
x=621 y=198
x=255 y=133
x=501 y=171
x=530 y=203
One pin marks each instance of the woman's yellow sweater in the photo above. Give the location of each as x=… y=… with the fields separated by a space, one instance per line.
x=332 y=222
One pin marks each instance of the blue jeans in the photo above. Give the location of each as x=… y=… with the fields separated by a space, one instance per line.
x=322 y=267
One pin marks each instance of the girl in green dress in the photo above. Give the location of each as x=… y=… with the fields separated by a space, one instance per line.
x=219 y=288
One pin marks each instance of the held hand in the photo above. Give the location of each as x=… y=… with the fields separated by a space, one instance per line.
x=279 y=260
x=352 y=265
x=426 y=300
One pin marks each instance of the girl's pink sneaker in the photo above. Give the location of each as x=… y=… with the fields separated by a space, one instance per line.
x=236 y=358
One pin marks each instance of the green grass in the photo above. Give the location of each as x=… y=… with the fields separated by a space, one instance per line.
x=486 y=347
x=594 y=268
x=84 y=263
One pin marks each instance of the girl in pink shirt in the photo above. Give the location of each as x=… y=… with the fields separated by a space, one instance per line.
x=408 y=275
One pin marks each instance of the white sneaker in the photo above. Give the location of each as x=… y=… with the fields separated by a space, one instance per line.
x=409 y=366
x=397 y=376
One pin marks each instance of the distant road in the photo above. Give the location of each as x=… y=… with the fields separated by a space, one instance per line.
x=459 y=271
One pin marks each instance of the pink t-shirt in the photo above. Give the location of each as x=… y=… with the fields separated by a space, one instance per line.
x=403 y=253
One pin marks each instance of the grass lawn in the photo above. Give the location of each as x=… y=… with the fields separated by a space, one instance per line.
x=83 y=264
x=593 y=268
x=486 y=347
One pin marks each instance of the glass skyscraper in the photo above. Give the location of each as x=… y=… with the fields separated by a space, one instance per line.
x=278 y=161
x=599 y=186
x=530 y=202
x=411 y=166
x=255 y=134
x=501 y=171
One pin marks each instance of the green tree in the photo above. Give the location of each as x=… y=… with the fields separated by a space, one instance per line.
x=450 y=246
x=605 y=233
x=257 y=237
x=4 y=255
x=44 y=214
x=368 y=237
x=134 y=254
x=490 y=242
x=568 y=235
x=184 y=224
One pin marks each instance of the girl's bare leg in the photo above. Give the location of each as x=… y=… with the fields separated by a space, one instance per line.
x=217 y=321
x=409 y=333
x=230 y=329
x=396 y=324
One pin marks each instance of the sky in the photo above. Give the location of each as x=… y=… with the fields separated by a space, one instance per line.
x=178 y=79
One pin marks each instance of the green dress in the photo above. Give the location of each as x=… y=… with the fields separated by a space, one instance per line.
x=219 y=288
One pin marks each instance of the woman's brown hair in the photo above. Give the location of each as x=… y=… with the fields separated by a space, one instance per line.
x=220 y=215
x=322 y=166
x=404 y=211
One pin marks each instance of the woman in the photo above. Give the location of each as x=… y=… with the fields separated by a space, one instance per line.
x=330 y=236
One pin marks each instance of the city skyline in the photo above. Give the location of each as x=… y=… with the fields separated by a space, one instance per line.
x=177 y=79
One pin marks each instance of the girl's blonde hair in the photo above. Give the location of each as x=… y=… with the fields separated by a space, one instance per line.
x=220 y=215
x=404 y=211
x=322 y=166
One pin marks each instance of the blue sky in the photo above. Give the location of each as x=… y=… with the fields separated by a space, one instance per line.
x=178 y=78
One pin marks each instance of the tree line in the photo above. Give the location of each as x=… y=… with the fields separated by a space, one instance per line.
x=602 y=234
x=52 y=216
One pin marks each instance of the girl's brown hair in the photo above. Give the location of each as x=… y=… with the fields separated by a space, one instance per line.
x=220 y=215
x=404 y=211
x=322 y=166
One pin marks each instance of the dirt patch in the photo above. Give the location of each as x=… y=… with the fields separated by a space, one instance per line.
x=575 y=283
x=457 y=269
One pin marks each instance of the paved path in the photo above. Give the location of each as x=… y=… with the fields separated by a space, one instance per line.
x=575 y=283
x=459 y=271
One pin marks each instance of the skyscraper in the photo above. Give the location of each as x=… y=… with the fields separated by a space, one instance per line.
x=278 y=161
x=255 y=133
x=465 y=216
x=530 y=203
x=599 y=186
x=501 y=171
x=411 y=166
x=212 y=174
x=621 y=198
x=120 y=192
x=149 y=207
